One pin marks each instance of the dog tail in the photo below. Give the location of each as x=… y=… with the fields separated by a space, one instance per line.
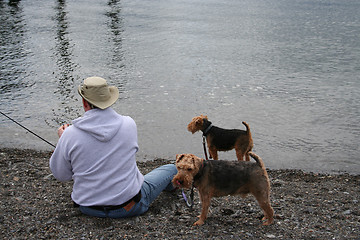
x=247 y=128
x=258 y=160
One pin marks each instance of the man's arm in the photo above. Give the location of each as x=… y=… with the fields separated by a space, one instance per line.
x=60 y=164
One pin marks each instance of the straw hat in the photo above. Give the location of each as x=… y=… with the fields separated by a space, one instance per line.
x=96 y=91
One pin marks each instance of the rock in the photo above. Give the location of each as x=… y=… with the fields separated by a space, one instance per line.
x=308 y=206
x=347 y=212
x=270 y=236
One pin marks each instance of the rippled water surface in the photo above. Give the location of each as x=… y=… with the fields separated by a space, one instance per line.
x=291 y=69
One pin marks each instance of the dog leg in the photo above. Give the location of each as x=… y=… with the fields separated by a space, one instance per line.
x=247 y=156
x=268 y=213
x=205 y=204
x=239 y=155
x=213 y=153
x=264 y=202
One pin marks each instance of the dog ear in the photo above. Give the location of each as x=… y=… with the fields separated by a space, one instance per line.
x=204 y=116
x=179 y=157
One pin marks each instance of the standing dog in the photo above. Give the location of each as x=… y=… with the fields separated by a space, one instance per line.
x=219 y=139
x=222 y=178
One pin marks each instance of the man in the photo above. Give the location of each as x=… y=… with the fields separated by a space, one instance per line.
x=98 y=152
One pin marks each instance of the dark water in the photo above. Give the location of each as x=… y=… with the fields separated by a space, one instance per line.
x=290 y=68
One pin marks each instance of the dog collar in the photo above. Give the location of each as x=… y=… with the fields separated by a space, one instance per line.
x=199 y=174
x=207 y=129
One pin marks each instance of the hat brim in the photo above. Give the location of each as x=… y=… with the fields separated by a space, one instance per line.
x=114 y=95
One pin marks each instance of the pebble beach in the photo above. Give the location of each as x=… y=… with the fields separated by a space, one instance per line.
x=34 y=205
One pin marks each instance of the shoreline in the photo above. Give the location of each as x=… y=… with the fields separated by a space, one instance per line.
x=307 y=205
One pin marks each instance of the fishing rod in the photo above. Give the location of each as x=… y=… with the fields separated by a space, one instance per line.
x=27 y=129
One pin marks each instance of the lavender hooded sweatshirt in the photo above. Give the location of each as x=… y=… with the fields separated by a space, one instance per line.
x=97 y=152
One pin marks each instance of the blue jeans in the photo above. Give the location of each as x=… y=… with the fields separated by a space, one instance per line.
x=155 y=182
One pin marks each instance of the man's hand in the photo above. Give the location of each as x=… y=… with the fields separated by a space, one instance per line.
x=62 y=128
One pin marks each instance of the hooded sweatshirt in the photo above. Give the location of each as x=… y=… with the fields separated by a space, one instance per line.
x=97 y=152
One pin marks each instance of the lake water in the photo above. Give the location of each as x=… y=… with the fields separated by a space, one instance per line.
x=290 y=68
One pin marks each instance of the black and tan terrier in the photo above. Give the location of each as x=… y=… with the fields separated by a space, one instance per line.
x=219 y=139
x=222 y=178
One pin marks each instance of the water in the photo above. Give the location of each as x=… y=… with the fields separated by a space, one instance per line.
x=291 y=69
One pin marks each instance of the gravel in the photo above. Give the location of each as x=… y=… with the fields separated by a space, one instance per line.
x=34 y=205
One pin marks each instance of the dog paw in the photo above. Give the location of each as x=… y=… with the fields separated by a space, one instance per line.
x=268 y=222
x=198 y=223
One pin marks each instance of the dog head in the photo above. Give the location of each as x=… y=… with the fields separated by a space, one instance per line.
x=196 y=124
x=188 y=166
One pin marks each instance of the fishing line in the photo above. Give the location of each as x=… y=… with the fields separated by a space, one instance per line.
x=27 y=129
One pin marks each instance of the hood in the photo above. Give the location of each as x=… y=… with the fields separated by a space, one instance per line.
x=101 y=124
